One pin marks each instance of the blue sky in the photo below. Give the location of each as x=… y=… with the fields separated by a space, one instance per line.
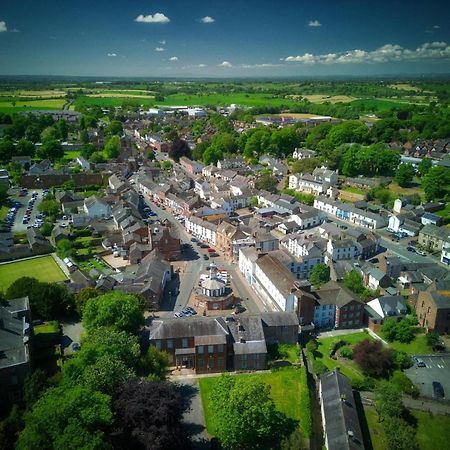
x=223 y=38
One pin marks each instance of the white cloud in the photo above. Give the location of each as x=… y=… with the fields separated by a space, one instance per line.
x=201 y=65
x=3 y=27
x=163 y=42
x=155 y=18
x=207 y=19
x=258 y=66
x=174 y=58
x=159 y=49
x=112 y=54
x=435 y=27
x=314 y=23
x=386 y=53
x=225 y=64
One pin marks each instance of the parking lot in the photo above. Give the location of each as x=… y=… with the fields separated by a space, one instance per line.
x=18 y=226
x=437 y=369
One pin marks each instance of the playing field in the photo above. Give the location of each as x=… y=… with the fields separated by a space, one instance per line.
x=28 y=105
x=43 y=269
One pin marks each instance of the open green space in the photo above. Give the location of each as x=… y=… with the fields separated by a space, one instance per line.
x=347 y=366
x=379 y=104
x=111 y=102
x=43 y=269
x=432 y=430
x=72 y=154
x=29 y=105
x=418 y=346
x=285 y=390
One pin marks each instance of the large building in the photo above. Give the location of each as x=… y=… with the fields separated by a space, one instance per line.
x=340 y=420
x=433 y=308
x=218 y=344
x=15 y=330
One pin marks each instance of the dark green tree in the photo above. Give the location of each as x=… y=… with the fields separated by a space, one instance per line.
x=320 y=274
x=404 y=175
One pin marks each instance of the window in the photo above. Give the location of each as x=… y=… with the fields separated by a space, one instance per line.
x=184 y=343
x=220 y=348
x=169 y=343
x=200 y=349
x=200 y=362
x=210 y=348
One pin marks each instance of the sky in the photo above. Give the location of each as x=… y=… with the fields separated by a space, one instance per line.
x=232 y=38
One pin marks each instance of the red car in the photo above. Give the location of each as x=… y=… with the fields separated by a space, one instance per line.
x=211 y=250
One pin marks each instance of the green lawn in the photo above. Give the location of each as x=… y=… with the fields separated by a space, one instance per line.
x=347 y=366
x=376 y=104
x=29 y=105
x=418 y=346
x=72 y=154
x=285 y=390
x=433 y=431
x=444 y=212
x=43 y=268
x=110 y=102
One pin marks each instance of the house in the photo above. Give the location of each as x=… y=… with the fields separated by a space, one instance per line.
x=96 y=208
x=202 y=229
x=302 y=153
x=433 y=219
x=382 y=308
x=84 y=163
x=40 y=168
x=433 y=238
x=38 y=243
x=445 y=254
x=15 y=365
x=168 y=245
x=340 y=421
x=376 y=279
x=59 y=233
x=217 y=344
x=433 y=308
x=192 y=167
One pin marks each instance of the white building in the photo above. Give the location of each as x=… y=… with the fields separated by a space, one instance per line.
x=201 y=229
x=96 y=208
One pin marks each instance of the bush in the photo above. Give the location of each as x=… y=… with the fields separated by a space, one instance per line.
x=364 y=384
x=346 y=352
x=319 y=367
x=372 y=358
x=404 y=384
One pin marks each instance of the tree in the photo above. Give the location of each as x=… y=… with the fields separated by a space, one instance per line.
x=154 y=363
x=389 y=329
x=49 y=207
x=115 y=309
x=320 y=274
x=115 y=127
x=50 y=149
x=436 y=183
x=25 y=148
x=424 y=166
x=166 y=165
x=178 y=149
x=10 y=427
x=7 y=149
x=404 y=175
x=388 y=400
x=353 y=281
x=305 y=165
x=372 y=358
x=311 y=346
x=69 y=418
x=433 y=340
x=62 y=128
x=148 y=416
x=65 y=249
x=83 y=296
x=112 y=147
x=399 y=435
x=34 y=385
x=245 y=414
x=267 y=182
x=47 y=300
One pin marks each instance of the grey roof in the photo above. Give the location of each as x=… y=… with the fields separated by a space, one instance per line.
x=393 y=305
x=279 y=319
x=186 y=327
x=341 y=421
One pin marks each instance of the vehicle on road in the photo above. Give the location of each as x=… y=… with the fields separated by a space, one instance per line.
x=411 y=249
x=205 y=257
x=210 y=250
x=204 y=245
x=421 y=252
x=213 y=255
x=419 y=362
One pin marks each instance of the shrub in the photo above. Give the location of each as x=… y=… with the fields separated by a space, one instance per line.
x=319 y=367
x=372 y=358
x=346 y=352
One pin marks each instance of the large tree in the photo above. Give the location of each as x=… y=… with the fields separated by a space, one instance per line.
x=112 y=147
x=404 y=175
x=115 y=309
x=320 y=274
x=148 y=417
x=178 y=149
x=69 y=418
x=372 y=358
x=436 y=183
x=245 y=414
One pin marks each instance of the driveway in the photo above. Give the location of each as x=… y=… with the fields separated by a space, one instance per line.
x=193 y=418
x=72 y=332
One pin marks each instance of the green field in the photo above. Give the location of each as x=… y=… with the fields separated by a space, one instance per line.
x=28 y=105
x=418 y=346
x=285 y=390
x=379 y=104
x=111 y=102
x=43 y=269
x=347 y=366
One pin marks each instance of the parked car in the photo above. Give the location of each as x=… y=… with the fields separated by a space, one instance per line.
x=205 y=257
x=438 y=390
x=210 y=250
x=213 y=254
x=411 y=249
x=419 y=362
x=421 y=252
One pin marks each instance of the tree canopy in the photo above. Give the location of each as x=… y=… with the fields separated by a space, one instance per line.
x=114 y=309
x=372 y=358
x=320 y=274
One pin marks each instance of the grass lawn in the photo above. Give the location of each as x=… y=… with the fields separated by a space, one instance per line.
x=378 y=104
x=110 y=102
x=432 y=431
x=285 y=391
x=49 y=327
x=29 y=105
x=375 y=429
x=72 y=154
x=444 y=212
x=347 y=366
x=417 y=347
x=394 y=187
x=43 y=269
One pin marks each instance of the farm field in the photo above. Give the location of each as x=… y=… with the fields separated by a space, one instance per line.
x=380 y=104
x=318 y=98
x=285 y=391
x=297 y=115
x=110 y=102
x=124 y=94
x=43 y=269
x=28 y=105
x=34 y=94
